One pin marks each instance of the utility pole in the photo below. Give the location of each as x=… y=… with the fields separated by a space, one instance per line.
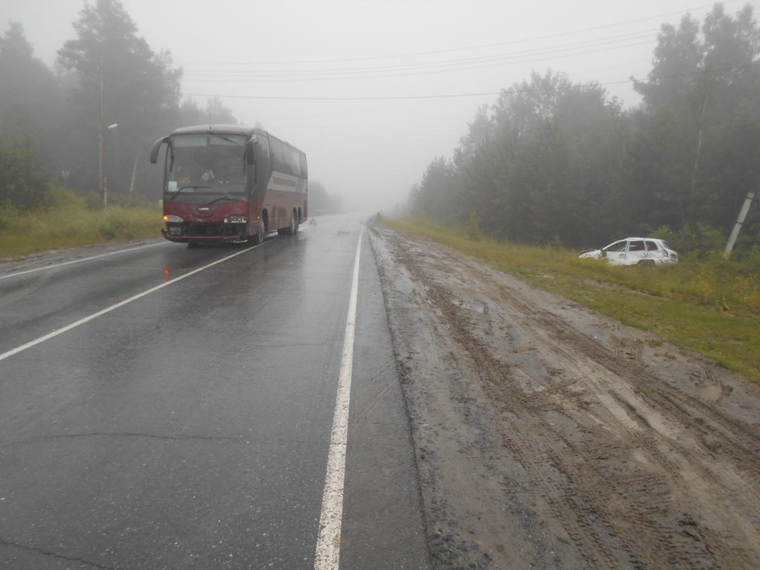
x=134 y=173
x=101 y=161
x=739 y=223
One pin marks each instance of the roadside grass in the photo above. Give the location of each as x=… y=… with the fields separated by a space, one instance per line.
x=68 y=222
x=709 y=306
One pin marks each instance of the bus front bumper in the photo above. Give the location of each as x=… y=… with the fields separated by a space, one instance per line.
x=205 y=232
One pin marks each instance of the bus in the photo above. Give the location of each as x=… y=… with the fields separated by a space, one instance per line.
x=228 y=183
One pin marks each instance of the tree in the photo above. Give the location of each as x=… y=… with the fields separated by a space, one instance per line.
x=677 y=57
x=23 y=182
x=136 y=88
x=551 y=156
x=552 y=159
x=480 y=131
x=28 y=94
x=434 y=197
x=526 y=106
x=705 y=116
x=217 y=113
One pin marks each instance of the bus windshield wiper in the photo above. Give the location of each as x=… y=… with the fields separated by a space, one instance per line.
x=225 y=197
x=224 y=138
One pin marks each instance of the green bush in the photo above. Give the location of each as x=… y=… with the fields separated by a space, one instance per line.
x=94 y=201
x=130 y=201
x=66 y=221
x=23 y=183
x=63 y=197
x=473 y=228
x=695 y=241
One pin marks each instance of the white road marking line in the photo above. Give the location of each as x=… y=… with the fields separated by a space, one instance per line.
x=79 y=260
x=331 y=519
x=67 y=328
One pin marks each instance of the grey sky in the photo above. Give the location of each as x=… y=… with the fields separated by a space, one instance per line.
x=343 y=74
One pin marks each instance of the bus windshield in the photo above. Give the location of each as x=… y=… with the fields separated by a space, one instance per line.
x=206 y=164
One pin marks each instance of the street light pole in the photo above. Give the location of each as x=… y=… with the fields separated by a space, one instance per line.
x=101 y=162
x=103 y=184
x=101 y=139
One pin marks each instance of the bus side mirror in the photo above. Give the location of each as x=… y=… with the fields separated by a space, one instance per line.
x=249 y=153
x=156 y=148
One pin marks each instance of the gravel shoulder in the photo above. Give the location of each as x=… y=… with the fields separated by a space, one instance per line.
x=549 y=436
x=57 y=256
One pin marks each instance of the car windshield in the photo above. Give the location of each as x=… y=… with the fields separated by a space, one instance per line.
x=206 y=164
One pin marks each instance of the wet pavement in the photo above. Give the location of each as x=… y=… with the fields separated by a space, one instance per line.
x=190 y=426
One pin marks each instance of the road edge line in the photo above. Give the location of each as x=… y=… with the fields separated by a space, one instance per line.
x=331 y=518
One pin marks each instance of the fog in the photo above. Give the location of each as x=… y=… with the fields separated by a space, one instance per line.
x=374 y=91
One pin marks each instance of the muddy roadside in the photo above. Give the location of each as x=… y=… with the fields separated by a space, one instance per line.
x=549 y=436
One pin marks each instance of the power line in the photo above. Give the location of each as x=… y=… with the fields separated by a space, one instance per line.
x=469 y=63
x=444 y=66
x=465 y=48
x=404 y=97
x=463 y=95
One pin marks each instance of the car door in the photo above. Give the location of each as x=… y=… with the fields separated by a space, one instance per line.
x=615 y=252
x=637 y=251
x=654 y=252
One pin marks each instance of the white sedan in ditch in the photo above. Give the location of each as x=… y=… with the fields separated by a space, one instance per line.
x=635 y=251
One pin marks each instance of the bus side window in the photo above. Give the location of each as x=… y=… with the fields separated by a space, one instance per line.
x=276 y=149
x=263 y=165
x=304 y=168
x=294 y=163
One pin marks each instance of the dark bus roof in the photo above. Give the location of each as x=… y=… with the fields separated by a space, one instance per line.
x=227 y=130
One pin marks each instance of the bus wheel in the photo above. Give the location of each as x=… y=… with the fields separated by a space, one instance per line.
x=293 y=227
x=258 y=237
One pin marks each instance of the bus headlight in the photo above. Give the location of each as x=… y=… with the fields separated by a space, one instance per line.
x=172 y=219
x=235 y=219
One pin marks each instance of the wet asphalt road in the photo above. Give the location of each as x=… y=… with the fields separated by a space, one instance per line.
x=190 y=427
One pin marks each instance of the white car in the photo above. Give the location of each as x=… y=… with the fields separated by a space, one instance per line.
x=635 y=251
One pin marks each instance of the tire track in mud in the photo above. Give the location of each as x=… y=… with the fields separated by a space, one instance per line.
x=672 y=455
x=713 y=477
x=744 y=438
x=534 y=444
x=657 y=396
x=615 y=452
x=476 y=516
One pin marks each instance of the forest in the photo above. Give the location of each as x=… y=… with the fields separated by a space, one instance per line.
x=551 y=161
x=107 y=83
